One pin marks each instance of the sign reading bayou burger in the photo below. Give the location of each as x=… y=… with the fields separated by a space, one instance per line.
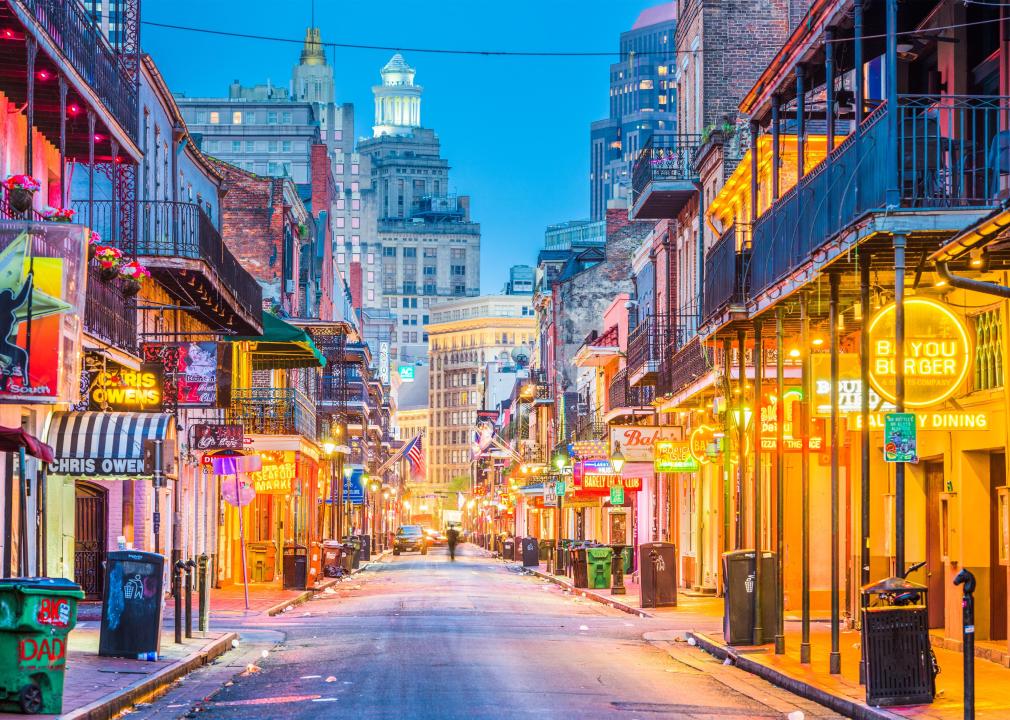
x=937 y=352
x=636 y=442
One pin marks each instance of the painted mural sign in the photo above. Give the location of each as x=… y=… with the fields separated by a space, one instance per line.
x=42 y=289
x=899 y=437
x=636 y=442
x=193 y=370
x=937 y=352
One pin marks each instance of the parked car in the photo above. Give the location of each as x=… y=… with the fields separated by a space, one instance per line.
x=435 y=538
x=410 y=537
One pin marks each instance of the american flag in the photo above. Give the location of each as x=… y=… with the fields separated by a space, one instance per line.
x=415 y=456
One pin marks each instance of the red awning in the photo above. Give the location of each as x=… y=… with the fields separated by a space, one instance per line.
x=13 y=439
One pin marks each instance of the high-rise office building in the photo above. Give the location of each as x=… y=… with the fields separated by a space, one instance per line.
x=643 y=100
x=428 y=249
x=520 y=280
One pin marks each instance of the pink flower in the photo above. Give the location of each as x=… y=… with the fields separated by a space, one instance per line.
x=108 y=256
x=134 y=271
x=24 y=182
x=59 y=214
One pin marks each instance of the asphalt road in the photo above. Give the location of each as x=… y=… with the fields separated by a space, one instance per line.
x=422 y=637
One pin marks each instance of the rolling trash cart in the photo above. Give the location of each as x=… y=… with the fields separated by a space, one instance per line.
x=36 y=615
x=598 y=562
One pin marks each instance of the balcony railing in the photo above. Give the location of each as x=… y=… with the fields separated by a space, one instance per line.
x=590 y=426
x=80 y=40
x=725 y=270
x=685 y=367
x=624 y=395
x=182 y=230
x=951 y=153
x=646 y=345
x=273 y=411
x=108 y=315
x=668 y=162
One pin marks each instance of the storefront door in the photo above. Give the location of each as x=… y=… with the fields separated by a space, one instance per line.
x=90 y=513
x=997 y=572
x=934 y=543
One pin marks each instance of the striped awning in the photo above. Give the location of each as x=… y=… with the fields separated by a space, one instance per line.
x=104 y=443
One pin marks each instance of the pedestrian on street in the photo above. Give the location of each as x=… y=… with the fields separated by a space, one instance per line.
x=453 y=538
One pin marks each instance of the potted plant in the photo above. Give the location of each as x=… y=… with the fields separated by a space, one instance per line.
x=108 y=260
x=133 y=274
x=94 y=241
x=62 y=215
x=20 y=190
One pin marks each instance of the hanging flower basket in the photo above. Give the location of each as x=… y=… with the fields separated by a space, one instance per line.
x=20 y=190
x=94 y=240
x=108 y=274
x=108 y=260
x=133 y=274
x=62 y=215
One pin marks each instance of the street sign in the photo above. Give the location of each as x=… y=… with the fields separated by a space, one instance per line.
x=550 y=495
x=899 y=437
x=617 y=495
x=559 y=487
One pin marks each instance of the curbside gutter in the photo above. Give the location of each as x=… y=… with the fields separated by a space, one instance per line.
x=604 y=599
x=152 y=685
x=839 y=704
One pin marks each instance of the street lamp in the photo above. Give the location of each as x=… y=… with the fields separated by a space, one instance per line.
x=617 y=459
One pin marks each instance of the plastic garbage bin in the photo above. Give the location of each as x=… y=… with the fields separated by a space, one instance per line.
x=738 y=614
x=657 y=564
x=132 y=604
x=355 y=542
x=628 y=553
x=295 y=567
x=598 y=561
x=531 y=558
x=898 y=660
x=36 y=615
x=333 y=553
x=508 y=549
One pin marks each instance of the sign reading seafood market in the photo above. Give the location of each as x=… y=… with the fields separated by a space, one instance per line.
x=937 y=350
x=637 y=442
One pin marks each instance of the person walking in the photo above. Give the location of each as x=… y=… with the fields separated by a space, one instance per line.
x=453 y=537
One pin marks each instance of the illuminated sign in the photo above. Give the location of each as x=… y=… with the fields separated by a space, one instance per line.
x=703 y=444
x=406 y=373
x=790 y=415
x=937 y=352
x=384 y=362
x=850 y=386
x=636 y=441
x=675 y=457
x=277 y=474
x=601 y=484
x=947 y=420
x=120 y=388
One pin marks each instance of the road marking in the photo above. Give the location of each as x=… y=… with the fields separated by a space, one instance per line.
x=326 y=699
x=309 y=677
x=267 y=701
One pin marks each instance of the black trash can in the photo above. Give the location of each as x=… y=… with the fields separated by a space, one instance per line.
x=333 y=556
x=355 y=542
x=897 y=658
x=738 y=570
x=508 y=549
x=131 y=604
x=580 y=565
x=518 y=548
x=295 y=567
x=531 y=556
x=657 y=563
x=366 y=548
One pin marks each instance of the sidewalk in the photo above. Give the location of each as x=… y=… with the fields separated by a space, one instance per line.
x=98 y=688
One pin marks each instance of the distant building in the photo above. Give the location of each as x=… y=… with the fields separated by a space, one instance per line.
x=520 y=280
x=643 y=100
x=465 y=336
x=575 y=233
x=427 y=249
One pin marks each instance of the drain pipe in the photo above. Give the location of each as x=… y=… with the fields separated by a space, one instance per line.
x=963 y=283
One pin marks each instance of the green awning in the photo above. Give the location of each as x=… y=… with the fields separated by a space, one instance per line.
x=281 y=346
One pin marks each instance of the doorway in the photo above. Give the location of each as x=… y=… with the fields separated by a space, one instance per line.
x=90 y=543
x=934 y=544
x=997 y=572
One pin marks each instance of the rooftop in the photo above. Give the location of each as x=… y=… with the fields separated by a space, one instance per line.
x=656 y=15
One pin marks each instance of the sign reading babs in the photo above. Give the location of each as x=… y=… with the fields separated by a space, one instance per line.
x=637 y=442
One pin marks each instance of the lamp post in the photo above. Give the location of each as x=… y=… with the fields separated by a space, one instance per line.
x=560 y=462
x=617 y=566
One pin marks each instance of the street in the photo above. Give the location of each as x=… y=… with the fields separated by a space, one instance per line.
x=422 y=637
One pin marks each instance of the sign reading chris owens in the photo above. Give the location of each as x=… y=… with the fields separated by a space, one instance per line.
x=97 y=466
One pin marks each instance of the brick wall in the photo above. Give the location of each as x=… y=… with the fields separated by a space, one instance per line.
x=324 y=193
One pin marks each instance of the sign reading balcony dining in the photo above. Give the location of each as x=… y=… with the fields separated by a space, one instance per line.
x=637 y=442
x=937 y=350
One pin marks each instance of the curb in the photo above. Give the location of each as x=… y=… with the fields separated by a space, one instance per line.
x=604 y=599
x=839 y=704
x=153 y=685
x=309 y=594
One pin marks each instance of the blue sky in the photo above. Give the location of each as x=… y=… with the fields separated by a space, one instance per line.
x=515 y=130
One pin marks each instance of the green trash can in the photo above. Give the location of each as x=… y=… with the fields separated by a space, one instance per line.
x=628 y=553
x=598 y=560
x=36 y=615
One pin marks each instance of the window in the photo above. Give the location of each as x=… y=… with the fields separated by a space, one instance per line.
x=371 y=294
x=354 y=186
x=338 y=134
x=430 y=289
x=273 y=168
x=286 y=117
x=355 y=222
x=459 y=269
x=201 y=117
x=340 y=203
x=215 y=117
x=430 y=252
x=406 y=302
x=355 y=239
x=371 y=258
x=272 y=146
x=236 y=146
x=250 y=146
x=355 y=204
x=389 y=252
x=355 y=257
x=286 y=146
x=272 y=117
x=338 y=168
x=371 y=276
x=413 y=302
x=340 y=258
x=409 y=252
x=340 y=221
x=355 y=169
x=236 y=117
x=429 y=270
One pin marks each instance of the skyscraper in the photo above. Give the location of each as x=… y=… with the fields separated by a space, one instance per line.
x=643 y=100
x=430 y=249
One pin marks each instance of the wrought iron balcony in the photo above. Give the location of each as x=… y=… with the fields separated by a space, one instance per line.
x=647 y=344
x=183 y=249
x=273 y=411
x=726 y=266
x=109 y=316
x=77 y=37
x=664 y=178
x=624 y=395
x=590 y=426
x=950 y=154
x=686 y=366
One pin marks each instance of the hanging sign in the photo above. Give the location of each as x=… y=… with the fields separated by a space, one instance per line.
x=218 y=437
x=704 y=444
x=406 y=373
x=617 y=495
x=675 y=457
x=937 y=349
x=114 y=387
x=550 y=495
x=601 y=484
x=899 y=437
x=277 y=475
x=636 y=441
x=850 y=386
